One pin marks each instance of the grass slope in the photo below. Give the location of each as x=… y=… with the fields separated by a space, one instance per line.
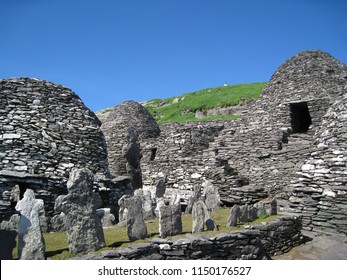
x=182 y=108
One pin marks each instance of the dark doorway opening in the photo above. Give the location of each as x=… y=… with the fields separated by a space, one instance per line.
x=22 y=188
x=153 y=154
x=300 y=117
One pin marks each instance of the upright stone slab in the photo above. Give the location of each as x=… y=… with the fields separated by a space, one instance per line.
x=136 y=227
x=212 y=198
x=84 y=227
x=132 y=153
x=170 y=222
x=202 y=219
x=123 y=210
x=106 y=217
x=31 y=244
x=234 y=216
x=148 y=206
x=194 y=198
x=273 y=207
x=244 y=214
x=252 y=213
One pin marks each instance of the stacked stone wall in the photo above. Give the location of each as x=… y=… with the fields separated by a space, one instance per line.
x=260 y=242
x=45 y=132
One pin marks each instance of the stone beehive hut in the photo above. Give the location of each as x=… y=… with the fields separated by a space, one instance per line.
x=260 y=154
x=45 y=132
x=320 y=193
x=115 y=127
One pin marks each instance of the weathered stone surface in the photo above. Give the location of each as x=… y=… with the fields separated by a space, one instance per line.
x=212 y=198
x=136 y=227
x=201 y=218
x=170 y=222
x=234 y=216
x=84 y=227
x=148 y=205
x=58 y=223
x=123 y=210
x=106 y=217
x=132 y=153
x=115 y=127
x=45 y=131
x=273 y=206
x=193 y=198
x=244 y=214
x=31 y=245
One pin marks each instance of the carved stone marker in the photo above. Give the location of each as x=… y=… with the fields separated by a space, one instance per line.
x=122 y=214
x=170 y=222
x=136 y=227
x=234 y=216
x=84 y=227
x=31 y=245
x=202 y=218
x=132 y=153
x=244 y=214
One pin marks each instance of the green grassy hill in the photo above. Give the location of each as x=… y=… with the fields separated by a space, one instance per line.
x=182 y=108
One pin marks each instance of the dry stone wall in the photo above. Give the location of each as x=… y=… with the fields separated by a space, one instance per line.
x=45 y=132
x=260 y=242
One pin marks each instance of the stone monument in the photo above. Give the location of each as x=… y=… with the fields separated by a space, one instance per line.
x=31 y=244
x=79 y=205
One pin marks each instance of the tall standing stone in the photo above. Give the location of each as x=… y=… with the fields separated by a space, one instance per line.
x=234 y=216
x=136 y=227
x=85 y=233
x=31 y=244
x=202 y=218
x=132 y=153
x=123 y=210
x=170 y=221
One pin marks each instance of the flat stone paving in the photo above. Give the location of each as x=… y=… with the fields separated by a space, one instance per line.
x=318 y=247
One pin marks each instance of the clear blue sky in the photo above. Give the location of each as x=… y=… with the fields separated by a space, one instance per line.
x=109 y=51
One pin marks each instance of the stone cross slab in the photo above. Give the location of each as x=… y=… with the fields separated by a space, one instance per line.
x=85 y=233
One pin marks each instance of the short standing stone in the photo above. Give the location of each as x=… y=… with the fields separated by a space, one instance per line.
x=31 y=245
x=85 y=233
x=273 y=206
x=147 y=204
x=244 y=214
x=170 y=222
x=252 y=213
x=136 y=227
x=122 y=211
x=195 y=197
x=58 y=223
x=212 y=198
x=202 y=219
x=107 y=218
x=234 y=216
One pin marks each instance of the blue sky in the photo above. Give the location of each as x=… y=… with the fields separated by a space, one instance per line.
x=109 y=51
